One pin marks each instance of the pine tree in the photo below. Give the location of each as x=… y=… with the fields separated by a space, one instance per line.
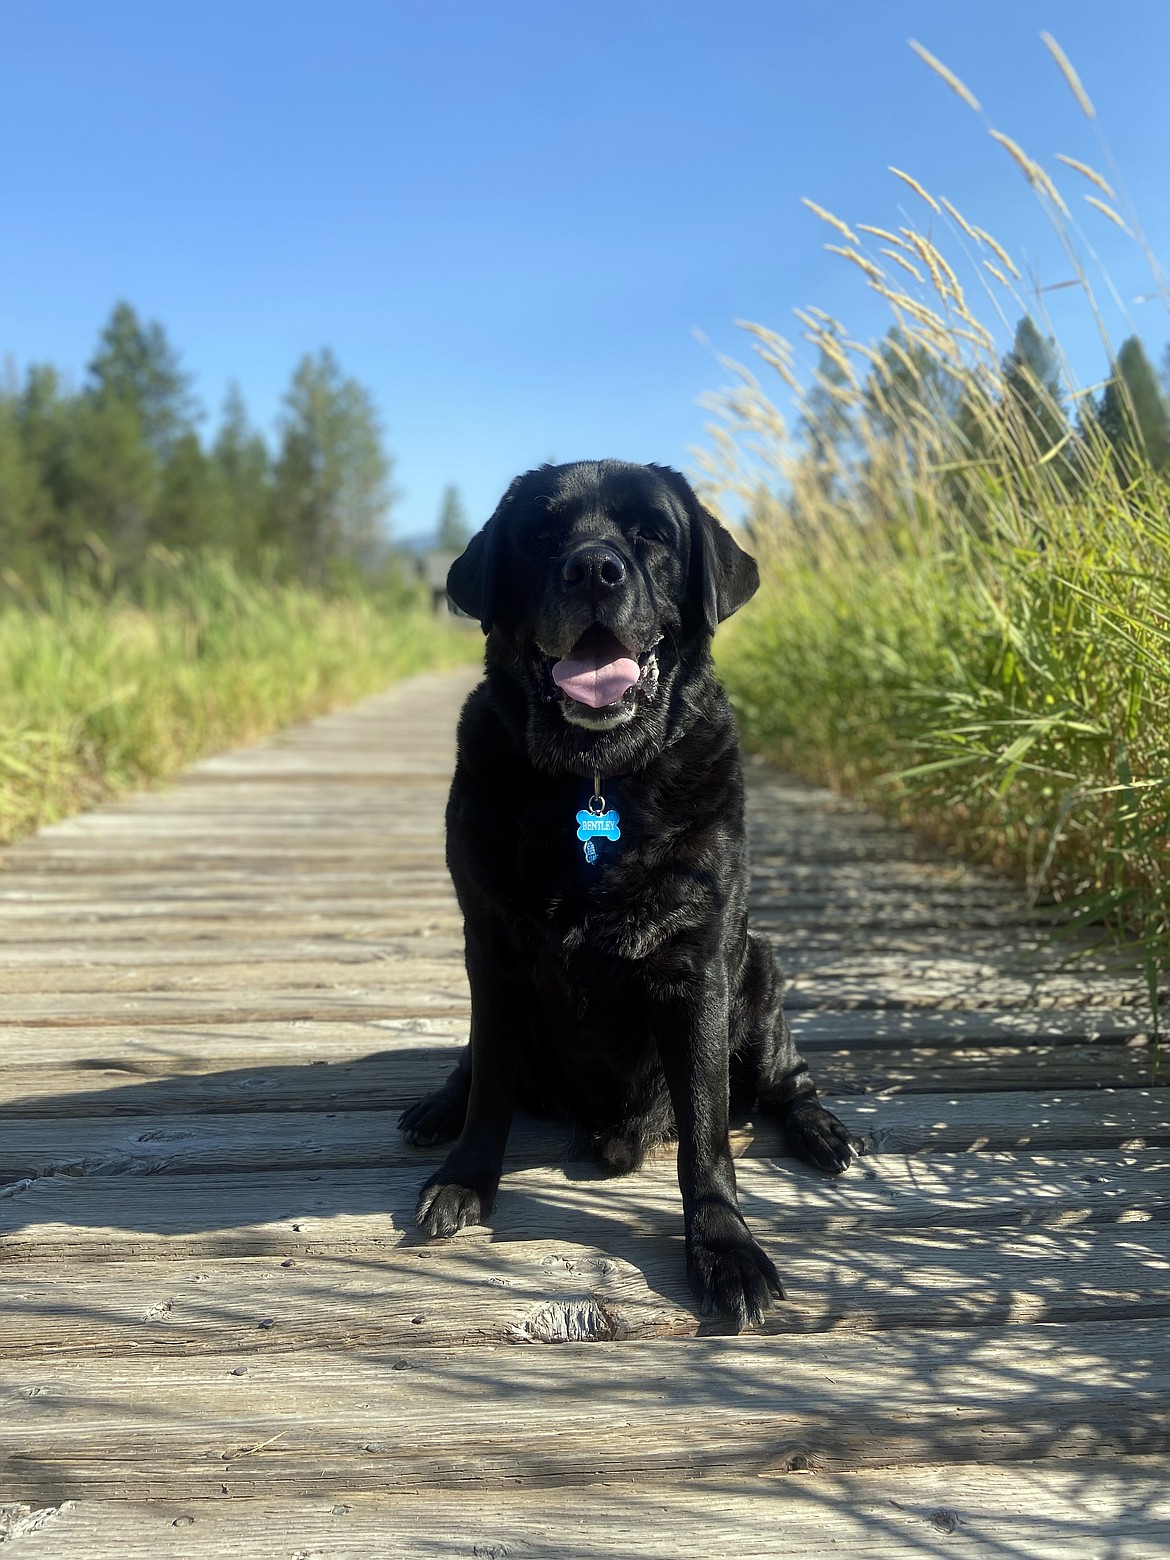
x=332 y=493
x=1132 y=413
x=826 y=423
x=41 y=419
x=909 y=383
x=26 y=508
x=454 y=531
x=186 y=513
x=243 y=480
x=110 y=479
x=136 y=366
x=1033 y=396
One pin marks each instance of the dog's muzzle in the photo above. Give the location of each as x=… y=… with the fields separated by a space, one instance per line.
x=598 y=684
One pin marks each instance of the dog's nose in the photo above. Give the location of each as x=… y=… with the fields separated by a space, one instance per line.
x=596 y=568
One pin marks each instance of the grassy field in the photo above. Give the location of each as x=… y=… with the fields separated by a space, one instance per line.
x=101 y=692
x=966 y=610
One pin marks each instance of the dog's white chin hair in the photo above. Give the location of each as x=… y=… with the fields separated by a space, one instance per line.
x=608 y=718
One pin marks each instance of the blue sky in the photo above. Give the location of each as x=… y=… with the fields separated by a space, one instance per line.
x=510 y=219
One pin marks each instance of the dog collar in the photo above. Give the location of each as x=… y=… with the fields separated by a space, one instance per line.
x=596 y=822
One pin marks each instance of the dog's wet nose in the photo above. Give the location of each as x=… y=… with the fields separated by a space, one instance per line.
x=595 y=568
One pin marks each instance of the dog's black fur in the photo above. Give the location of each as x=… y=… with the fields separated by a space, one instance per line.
x=629 y=996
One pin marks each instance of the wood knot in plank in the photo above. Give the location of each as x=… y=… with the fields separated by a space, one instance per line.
x=569 y=1321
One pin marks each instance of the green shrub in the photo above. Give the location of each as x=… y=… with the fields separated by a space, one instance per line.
x=105 y=689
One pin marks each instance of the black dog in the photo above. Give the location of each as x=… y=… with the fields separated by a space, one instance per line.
x=614 y=981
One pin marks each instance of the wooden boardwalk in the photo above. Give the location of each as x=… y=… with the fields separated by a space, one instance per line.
x=219 y=1335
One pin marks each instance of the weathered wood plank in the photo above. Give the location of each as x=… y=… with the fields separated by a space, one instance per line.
x=141 y=1038
x=899 y=1124
x=477 y=1291
x=52 y=859
x=987 y=1026
x=82 y=842
x=193 y=893
x=305 y=939
x=293 y=1072
x=877 y=904
x=153 y=1049
x=65 y=933
x=335 y=1003
x=73 y=964
x=313 y=1423
x=1103 y=1507
x=98 y=1218
x=75 y=927
x=206 y=854
x=831 y=984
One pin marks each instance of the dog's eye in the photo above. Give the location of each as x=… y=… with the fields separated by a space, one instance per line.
x=652 y=534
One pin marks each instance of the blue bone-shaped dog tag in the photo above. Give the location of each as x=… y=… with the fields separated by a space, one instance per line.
x=592 y=825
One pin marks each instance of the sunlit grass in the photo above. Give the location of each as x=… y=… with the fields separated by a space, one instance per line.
x=965 y=617
x=101 y=692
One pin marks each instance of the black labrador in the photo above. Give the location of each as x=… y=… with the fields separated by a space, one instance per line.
x=595 y=835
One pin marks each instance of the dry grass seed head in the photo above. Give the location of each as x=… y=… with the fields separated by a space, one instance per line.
x=871 y=354
x=941 y=275
x=827 y=216
x=833 y=352
x=948 y=76
x=772 y=339
x=881 y=232
x=874 y=272
x=958 y=216
x=998 y=251
x=1089 y=173
x=1031 y=169
x=911 y=306
x=775 y=351
x=1069 y=74
x=929 y=249
x=978 y=334
x=834 y=325
x=917 y=188
x=907 y=362
x=935 y=341
x=1108 y=211
x=904 y=263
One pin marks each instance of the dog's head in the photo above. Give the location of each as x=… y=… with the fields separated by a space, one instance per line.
x=599 y=585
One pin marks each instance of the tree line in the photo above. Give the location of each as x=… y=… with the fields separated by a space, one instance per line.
x=1024 y=409
x=117 y=467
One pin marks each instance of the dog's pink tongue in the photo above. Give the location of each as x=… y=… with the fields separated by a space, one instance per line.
x=592 y=680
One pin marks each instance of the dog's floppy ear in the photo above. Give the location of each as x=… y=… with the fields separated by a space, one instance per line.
x=727 y=576
x=722 y=575
x=472 y=579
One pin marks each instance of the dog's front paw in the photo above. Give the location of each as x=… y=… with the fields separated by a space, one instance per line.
x=817 y=1136
x=446 y=1206
x=729 y=1271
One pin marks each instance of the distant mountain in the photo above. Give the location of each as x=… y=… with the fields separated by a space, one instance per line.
x=418 y=542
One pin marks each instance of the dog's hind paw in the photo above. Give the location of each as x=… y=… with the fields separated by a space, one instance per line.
x=817 y=1136
x=438 y=1118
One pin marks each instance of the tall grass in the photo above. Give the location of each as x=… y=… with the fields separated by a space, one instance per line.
x=966 y=611
x=102 y=690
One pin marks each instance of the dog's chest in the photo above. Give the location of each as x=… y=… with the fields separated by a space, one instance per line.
x=594 y=915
